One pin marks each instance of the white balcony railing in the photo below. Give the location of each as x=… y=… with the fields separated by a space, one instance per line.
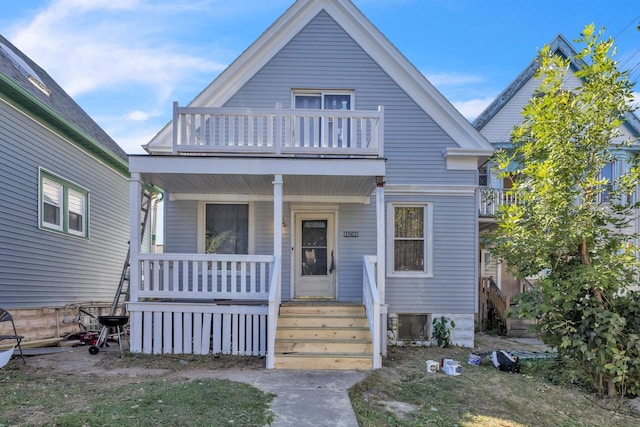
x=490 y=199
x=277 y=131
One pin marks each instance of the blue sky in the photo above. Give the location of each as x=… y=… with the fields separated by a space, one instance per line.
x=126 y=61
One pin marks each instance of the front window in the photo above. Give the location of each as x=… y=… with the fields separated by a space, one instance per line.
x=63 y=205
x=227 y=229
x=410 y=239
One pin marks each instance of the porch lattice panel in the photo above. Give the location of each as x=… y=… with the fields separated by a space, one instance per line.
x=235 y=330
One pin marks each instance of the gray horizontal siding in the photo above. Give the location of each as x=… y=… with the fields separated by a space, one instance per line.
x=452 y=288
x=323 y=56
x=180 y=226
x=42 y=268
x=362 y=219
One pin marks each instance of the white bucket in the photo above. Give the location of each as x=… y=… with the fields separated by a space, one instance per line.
x=432 y=366
x=452 y=368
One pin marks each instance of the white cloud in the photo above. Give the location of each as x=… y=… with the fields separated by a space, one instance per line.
x=141 y=116
x=473 y=107
x=91 y=46
x=453 y=79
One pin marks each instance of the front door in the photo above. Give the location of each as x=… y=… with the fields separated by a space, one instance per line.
x=314 y=256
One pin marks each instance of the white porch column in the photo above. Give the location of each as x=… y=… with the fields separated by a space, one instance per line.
x=277 y=216
x=135 y=237
x=381 y=241
x=381 y=271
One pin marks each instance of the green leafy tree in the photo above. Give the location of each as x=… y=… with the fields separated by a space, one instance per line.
x=571 y=225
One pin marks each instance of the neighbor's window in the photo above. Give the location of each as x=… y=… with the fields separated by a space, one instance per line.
x=410 y=239
x=226 y=228
x=64 y=206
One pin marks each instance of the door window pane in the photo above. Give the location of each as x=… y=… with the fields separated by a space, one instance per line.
x=314 y=247
x=227 y=229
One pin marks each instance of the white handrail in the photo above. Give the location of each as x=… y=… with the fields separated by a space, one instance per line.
x=275 y=298
x=371 y=300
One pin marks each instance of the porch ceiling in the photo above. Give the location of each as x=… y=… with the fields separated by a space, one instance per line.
x=344 y=177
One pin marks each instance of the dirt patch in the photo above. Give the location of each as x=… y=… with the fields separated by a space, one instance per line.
x=399 y=409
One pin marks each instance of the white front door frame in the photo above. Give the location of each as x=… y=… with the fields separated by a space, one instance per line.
x=301 y=209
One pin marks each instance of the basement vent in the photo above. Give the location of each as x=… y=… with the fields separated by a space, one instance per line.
x=413 y=326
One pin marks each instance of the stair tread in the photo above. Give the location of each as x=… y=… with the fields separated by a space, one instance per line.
x=319 y=340
x=305 y=354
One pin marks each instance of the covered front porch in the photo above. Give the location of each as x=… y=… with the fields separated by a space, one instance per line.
x=191 y=301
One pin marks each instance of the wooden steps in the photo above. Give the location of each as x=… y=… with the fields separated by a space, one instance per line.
x=323 y=336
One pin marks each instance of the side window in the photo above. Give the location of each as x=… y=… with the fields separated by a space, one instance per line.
x=63 y=206
x=410 y=250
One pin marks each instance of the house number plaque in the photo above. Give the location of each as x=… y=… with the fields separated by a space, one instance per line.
x=351 y=234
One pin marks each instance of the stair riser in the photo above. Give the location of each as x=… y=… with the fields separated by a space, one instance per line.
x=323 y=347
x=322 y=322
x=323 y=334
x=319 y=362
x=303 y=309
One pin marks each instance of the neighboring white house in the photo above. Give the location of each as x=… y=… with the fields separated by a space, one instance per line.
x=320 y=169
x=496 y=123
x=64 y=223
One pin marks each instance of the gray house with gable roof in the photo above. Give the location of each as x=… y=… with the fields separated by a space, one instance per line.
x=64 y=226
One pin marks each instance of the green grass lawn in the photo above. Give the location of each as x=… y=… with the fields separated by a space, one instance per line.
x=404 y=394
x=38 y=397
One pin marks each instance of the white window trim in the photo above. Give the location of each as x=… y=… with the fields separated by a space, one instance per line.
x=66 y=186
x=201 y=220
x=428 y=240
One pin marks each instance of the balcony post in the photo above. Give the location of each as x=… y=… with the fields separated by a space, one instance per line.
x=175 y=128
x=278 y=137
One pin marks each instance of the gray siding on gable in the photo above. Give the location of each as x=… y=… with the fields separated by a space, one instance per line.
x=40 y=268
x=324 y=56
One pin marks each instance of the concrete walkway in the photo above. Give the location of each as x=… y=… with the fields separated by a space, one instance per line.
x=303 y=398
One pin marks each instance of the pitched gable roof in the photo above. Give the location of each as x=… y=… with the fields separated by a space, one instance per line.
x=29 y=88
x=372 y=41
x=559 y=46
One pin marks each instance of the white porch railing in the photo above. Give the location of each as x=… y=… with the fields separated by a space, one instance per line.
x=490 y=199
x=371 y=301
x=200 y=276
x=277 y=131
x=275 y=299
x=197 y=304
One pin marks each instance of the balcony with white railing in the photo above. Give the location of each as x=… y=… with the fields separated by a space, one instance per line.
x=490 y=199
x=278 y=131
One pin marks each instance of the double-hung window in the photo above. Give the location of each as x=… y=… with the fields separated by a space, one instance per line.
x=64 y=206
x=319 y=132
x=410 y=251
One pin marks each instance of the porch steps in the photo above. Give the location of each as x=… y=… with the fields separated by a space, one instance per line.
x=323 y=336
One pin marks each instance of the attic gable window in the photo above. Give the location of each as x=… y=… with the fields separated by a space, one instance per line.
x=64 y=206
x=25 y=69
